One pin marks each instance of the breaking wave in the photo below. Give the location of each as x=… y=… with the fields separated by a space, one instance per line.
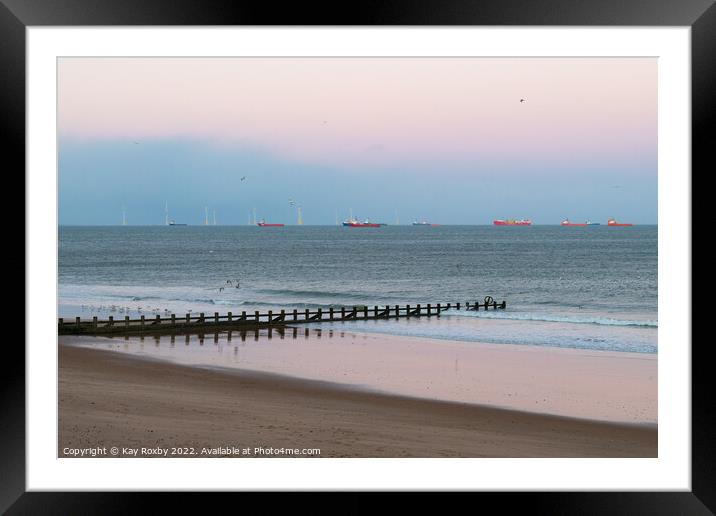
x=604 y=321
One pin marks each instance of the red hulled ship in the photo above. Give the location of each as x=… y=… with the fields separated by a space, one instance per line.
x=614 y=223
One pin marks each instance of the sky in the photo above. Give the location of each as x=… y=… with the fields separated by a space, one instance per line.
x=448 y=140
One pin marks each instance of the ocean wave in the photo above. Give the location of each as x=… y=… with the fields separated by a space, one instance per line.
x=541 y=341
x=280 y=306
x=319 y=294
x=604 y=321
x=182 y=299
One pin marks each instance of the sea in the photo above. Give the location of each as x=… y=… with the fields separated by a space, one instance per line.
x=572 y=287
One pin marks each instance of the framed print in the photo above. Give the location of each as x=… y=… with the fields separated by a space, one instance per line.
x=433 y=250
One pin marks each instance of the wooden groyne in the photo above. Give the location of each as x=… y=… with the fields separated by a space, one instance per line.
x=282 y=318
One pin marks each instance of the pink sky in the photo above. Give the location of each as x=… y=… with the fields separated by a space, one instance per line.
x=343 y=111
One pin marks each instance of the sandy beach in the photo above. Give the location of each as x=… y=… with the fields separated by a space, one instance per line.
x=108 y=398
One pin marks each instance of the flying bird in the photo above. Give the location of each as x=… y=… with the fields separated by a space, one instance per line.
x=243 y=177
x=522 y=100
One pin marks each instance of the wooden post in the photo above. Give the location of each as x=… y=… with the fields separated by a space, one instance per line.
x=94 y=322
x=126 y=321
x=174 y=320
x=157 y=319
x=343 y=312
x=320 y=314
x=270 y=316
x=243 y=315
x=418 y=309
x=407 y=310
x=77 y=322
x=188 y=318
x=458 y=306
x=256 y=315
x=111 y=320
x=438 y=309
x=504 y=305
x=307 y=314
x=283 y=315
x=216 y=317
x=375 y=311
x=201 y=317
x=365 y=312
x=295 y=314
x=229 y=316
x=142 y=323
x=430 y=309
x=330 y=313
x=397 y=311
x=60 y=322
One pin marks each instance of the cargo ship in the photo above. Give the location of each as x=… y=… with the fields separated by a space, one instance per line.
x=264 y=224
x=614 y=223
x=354 y=223
x=567 y=223
x=512 y=222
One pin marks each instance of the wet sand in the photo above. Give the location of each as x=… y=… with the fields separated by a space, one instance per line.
x=111 y=399
x=602 y=385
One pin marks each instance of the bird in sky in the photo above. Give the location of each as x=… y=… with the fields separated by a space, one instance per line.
x=522 y=100
x=244 y=177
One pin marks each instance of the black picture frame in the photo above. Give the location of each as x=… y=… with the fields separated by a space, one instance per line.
x=700 y=15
